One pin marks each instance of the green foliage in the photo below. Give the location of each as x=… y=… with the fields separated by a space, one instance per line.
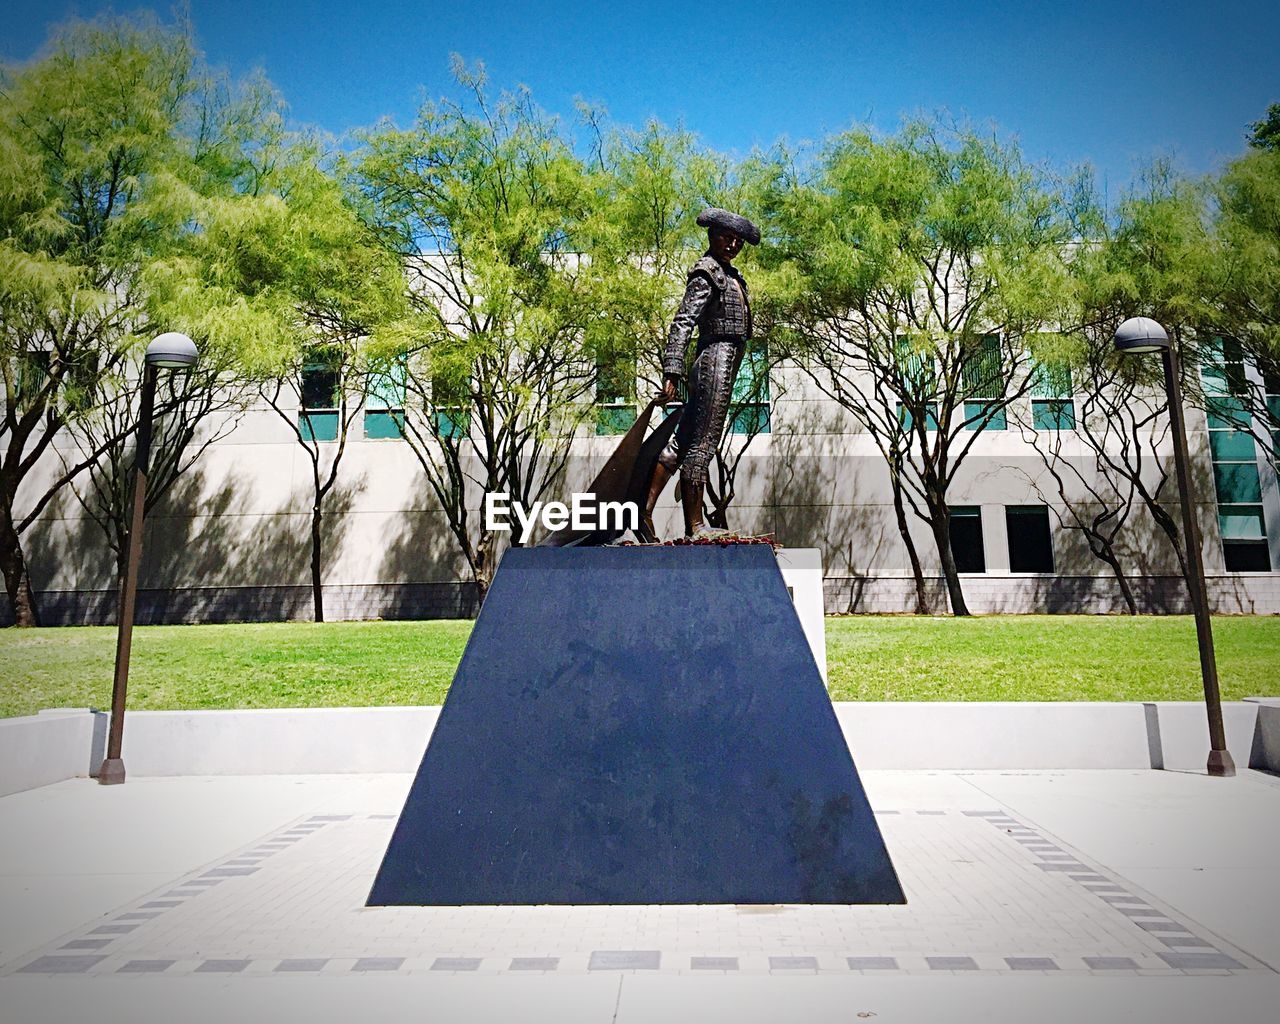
x=1265 y=134
x=1249 y=236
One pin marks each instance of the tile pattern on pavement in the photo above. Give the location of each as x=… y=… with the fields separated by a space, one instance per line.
x=986 y=893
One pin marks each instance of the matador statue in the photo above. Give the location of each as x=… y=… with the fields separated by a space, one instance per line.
x=717 y=302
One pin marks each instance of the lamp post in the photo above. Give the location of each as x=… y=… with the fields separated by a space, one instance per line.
x=1141 y=335
x=169 y=351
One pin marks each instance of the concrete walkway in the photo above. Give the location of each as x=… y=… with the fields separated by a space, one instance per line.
x=1046 y=896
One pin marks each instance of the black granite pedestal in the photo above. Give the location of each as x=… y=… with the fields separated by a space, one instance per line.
x=637 y=725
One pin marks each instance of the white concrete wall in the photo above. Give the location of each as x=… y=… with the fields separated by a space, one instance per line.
x=52 y=746
x=49 y=747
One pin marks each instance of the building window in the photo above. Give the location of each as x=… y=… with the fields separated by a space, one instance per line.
x=918 y=380
x=1052 y=407
x=33 y=372
x=984 y=386
x=450 y=408
x=966 y=539
x=930 y=416
x=318 y=416
x=1236 y=482
x=615 y=395
x=1030 y=539
x=384 y=402
x=1271 y=384
x=750 y=401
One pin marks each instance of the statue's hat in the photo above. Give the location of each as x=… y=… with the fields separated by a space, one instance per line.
x=723 y=220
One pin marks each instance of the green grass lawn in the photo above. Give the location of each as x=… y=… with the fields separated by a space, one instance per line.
x=1061 y=657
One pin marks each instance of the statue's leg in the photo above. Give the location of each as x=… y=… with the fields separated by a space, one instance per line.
x=712 y=383
x=661 y=475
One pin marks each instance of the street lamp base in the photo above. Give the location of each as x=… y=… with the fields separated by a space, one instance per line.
x=112 y=772
x=1221 y=764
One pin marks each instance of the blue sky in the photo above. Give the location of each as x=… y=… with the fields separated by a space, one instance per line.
x=1112 y=84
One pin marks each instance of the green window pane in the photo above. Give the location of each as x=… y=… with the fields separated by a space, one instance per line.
x=1242 y=522
x=751 y=419
x=383 y=424
x=916 y=367
x=982 y=369
x=615 y=380
x=1226 y=413
x=1222 y=367
x=386 y=388
x=614 y=419
x=1231 y=446
x=1053 y=414
x=1273 y=408
x=452 y=421
x=1051 y=381
x=1237 y=483
x=973 y=412
x=318 y=426
x=931 y=416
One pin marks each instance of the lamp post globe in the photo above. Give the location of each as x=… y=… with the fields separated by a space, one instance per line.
x=1140 y=335
x=172 y=351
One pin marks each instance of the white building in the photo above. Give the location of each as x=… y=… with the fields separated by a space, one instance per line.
x=232 y=540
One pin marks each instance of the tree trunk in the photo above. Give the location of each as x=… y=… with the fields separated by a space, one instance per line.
x=17 y=580
x=482 y=568
x=917 y=571
x=1170 y=528
x=940 y=522
x=317 y=592
x=1103 y=552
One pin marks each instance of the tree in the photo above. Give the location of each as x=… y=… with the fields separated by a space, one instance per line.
x=1247 y=301
x=1118 y=425
x=1155 y=259
x=923 y=268
x=287 y=263
x=1265 y=134
x=194 y=410
x=484 y=201
x=84 y=134
x=229 y=135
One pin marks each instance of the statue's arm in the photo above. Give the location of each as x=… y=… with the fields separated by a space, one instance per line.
x=696 y=296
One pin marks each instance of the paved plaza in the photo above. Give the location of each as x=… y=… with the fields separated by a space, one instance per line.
x=1138 y=895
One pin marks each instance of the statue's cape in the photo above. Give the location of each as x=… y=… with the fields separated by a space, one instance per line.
x=625 y=476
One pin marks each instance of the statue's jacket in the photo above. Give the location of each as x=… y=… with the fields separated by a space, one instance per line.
x=716 y=302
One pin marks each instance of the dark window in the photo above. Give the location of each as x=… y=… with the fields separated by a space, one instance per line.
x=319 y=386
x=1246 y=555
x=1030 y=540
x=966 y=539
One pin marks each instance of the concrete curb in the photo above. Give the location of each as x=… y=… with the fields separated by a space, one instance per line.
x=62 y=744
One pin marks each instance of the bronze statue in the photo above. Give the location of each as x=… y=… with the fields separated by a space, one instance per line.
x=717 y=302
